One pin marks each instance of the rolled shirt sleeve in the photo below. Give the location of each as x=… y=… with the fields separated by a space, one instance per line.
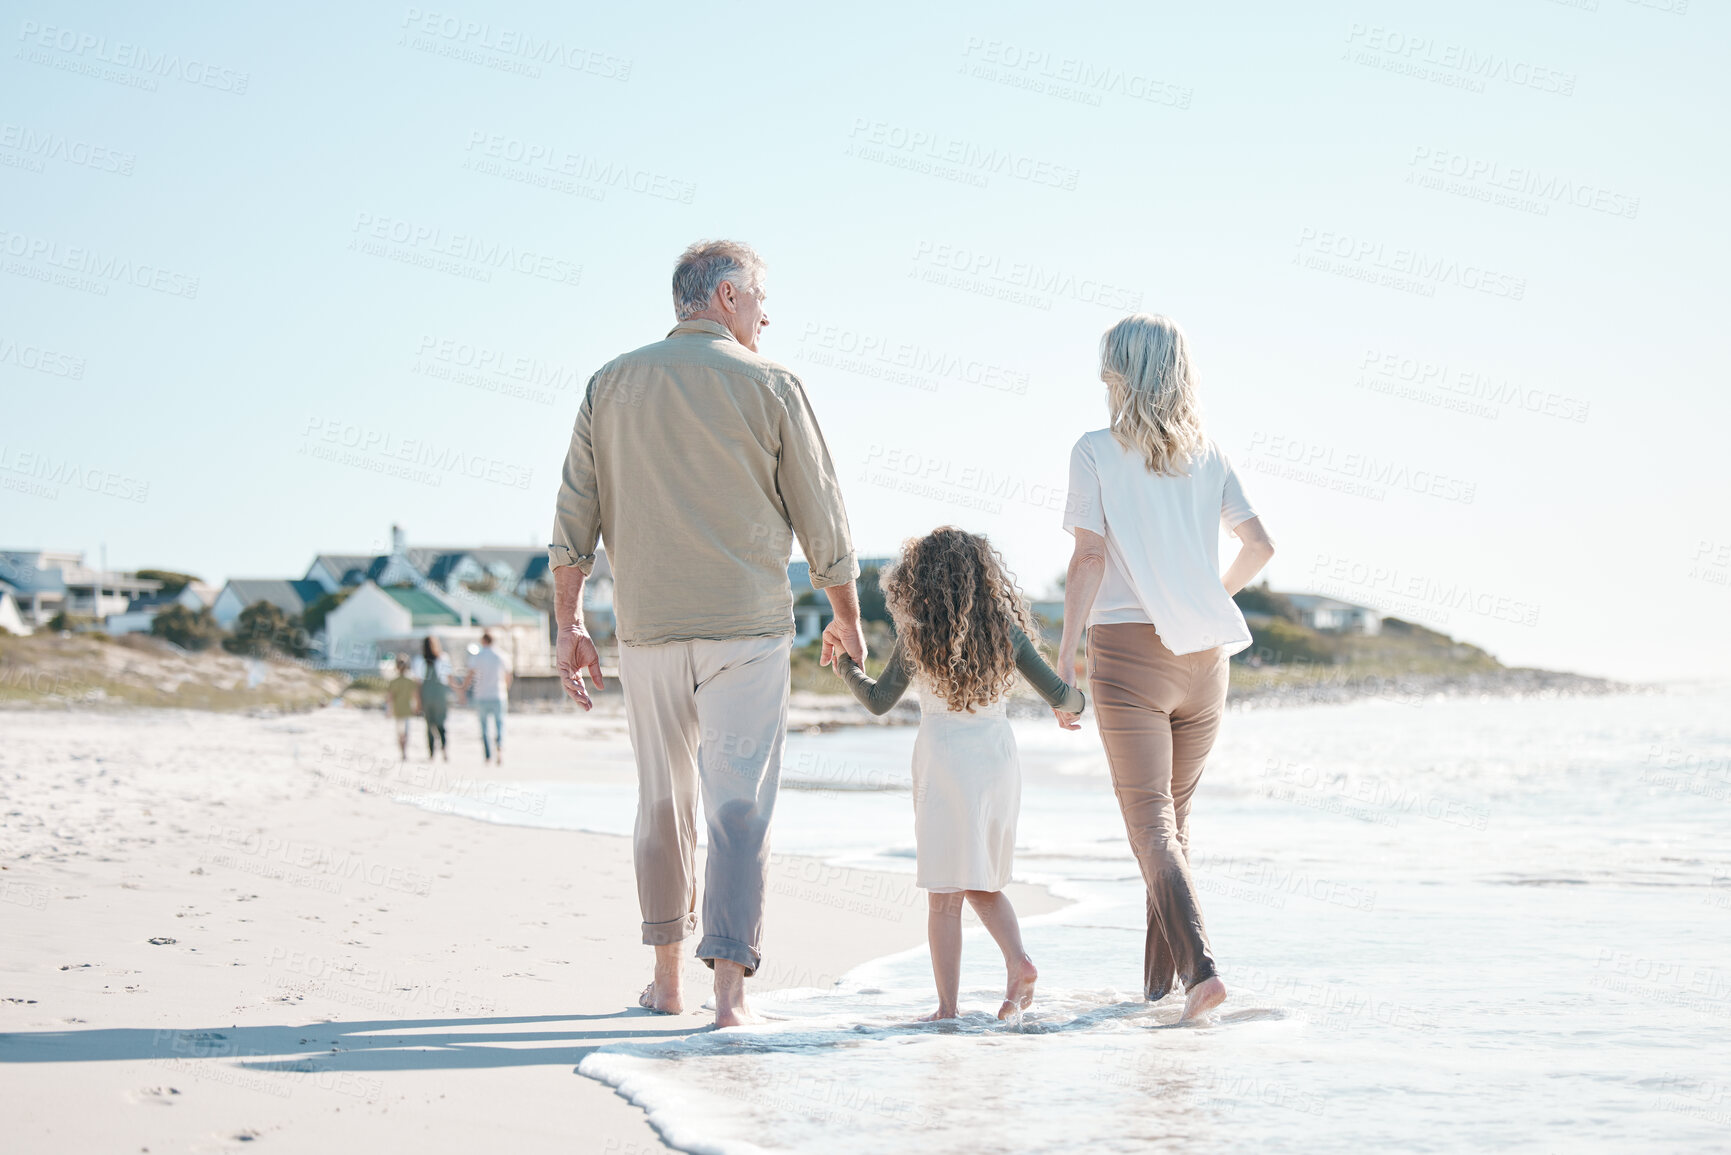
x=1082 y=508
x=1235 y=508
x=805 y=477
x=577 y=514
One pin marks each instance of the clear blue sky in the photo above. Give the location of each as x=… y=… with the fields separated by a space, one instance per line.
x=1412 y=245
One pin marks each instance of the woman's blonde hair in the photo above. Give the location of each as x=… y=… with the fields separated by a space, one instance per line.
x=1151 y=389
x=956 y=608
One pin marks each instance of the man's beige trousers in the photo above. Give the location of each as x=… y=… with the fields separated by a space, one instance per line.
x=709 y=716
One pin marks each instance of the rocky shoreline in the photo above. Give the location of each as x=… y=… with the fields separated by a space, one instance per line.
x=814 y=712
x=1411 y=689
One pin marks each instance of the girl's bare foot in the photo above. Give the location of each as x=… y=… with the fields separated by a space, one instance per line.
x=1019 y=990
x=1202 y=998
x=662 y=1002
x=938 y=1015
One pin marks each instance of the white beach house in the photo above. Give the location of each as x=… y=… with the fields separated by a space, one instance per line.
x=11 y=616
x=1332 y=616
x=375 y=623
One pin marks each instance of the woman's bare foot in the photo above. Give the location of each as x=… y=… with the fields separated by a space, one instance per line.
x=662 y=1002
x=1019 y=990
x=1202 y=998
x=938 y=1015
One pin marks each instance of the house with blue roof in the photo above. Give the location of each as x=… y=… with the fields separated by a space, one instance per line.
x=291 y=595
x=486 y=587
x=47 y=582
x=140 y=613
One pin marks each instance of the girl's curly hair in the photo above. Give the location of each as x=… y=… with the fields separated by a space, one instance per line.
x=956 y=609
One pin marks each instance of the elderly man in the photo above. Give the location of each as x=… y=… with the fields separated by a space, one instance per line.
x=698 y=462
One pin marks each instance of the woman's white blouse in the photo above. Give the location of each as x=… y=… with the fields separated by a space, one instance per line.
x=1162 y=541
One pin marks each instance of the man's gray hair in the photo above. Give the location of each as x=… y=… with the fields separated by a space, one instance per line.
x=706 y=264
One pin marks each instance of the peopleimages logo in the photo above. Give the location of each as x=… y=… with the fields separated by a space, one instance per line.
x=992 y=269
x=882 y=140
x=873 y=354
x=429 y=244
x=1376 y=475
x=1067 y=76
x=40 y=360
x=959 y=483
x=42 y=146
x=516 y=366
x=1350 y=578
x=1374 y=259
x=551 y=160
x=412 y=458
x=1467 y=384
x=1457 y=64
x=444 y=30
x=86 y=47
x=1545 y=188
x=82 y=261
x=51 y=470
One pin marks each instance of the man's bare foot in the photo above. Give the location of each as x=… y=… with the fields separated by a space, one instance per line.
x=1019 y=990
x=730 y=1008
x=660 y=1000
x=1202 y=998
x=663 y=995
x=938 y=1015
x=739 y=1016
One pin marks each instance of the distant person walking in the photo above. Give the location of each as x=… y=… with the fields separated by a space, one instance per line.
x=403 y=694
x=435 y=698
x=699 y=461
x=488 y=685
x=1147 y=495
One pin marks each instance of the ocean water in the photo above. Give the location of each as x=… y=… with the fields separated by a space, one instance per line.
x=1445 y=925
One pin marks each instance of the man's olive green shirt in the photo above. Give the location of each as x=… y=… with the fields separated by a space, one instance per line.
x=698 y=462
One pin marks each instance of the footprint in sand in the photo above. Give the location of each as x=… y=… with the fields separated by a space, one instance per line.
x=161 y=1096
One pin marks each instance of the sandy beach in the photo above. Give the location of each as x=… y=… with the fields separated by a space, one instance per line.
x=227 y=932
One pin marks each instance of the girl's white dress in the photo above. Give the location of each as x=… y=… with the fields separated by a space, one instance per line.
x=967 y=795
x=967 y=775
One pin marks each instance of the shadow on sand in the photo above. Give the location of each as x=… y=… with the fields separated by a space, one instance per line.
x=360 y=1045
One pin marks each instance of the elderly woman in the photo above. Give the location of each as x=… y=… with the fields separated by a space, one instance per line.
x=1146 y=494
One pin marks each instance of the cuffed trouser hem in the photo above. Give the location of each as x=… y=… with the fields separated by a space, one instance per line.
x=715 y=947
x=668 y=933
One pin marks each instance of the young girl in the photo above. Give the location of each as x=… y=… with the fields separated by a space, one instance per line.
x=962 y=631
x=404 y=693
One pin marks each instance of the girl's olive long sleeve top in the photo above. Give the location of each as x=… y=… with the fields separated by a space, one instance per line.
x=878 y=695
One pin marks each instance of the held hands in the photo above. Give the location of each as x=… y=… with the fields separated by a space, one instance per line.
x=1067 y=720
x=578 y=655
x=843 y=636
